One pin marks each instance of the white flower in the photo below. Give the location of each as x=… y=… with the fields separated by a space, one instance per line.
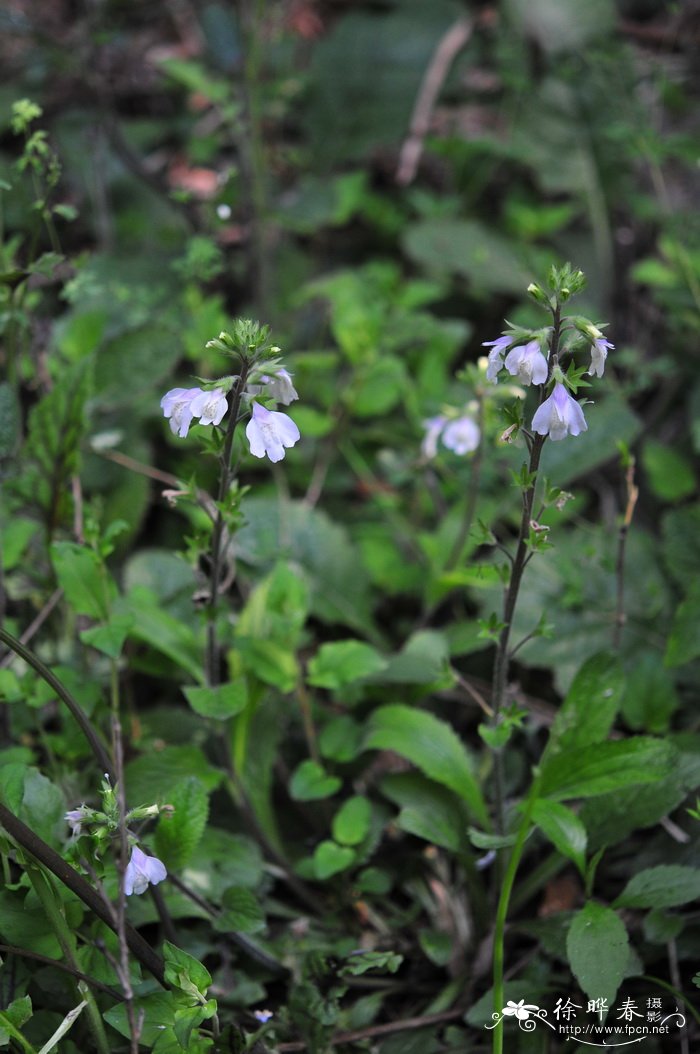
x=433 y=427
x=559 y=416
x=75 y=819
x=177 y=405
x=461 y=436
x=527 y=363
x=599 y=353
x=141 y=870
x=263 y=1016
x=269 y=432
x=280 y=387
x=209 y=406
x=498 y=350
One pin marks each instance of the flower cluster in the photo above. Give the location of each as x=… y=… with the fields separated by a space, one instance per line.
x=560 y=414
x=269 y=432
x=461 y=434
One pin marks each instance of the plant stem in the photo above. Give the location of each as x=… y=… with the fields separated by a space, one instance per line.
x=632 y=495
x=64 y=695
x=502 y=912
x=43 y=887
x=225 y=478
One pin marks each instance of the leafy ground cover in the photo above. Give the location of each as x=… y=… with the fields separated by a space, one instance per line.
x=349 y=527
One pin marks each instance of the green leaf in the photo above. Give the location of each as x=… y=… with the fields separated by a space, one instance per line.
x=562 y=25
x=340 y=739
x=598 y=948
x=109 y=639
x=604 y=767
x=242 y=912
x=650 y=696
x=684 y=642
x=156 y=775
x=43 y=807
x=377 y=388
x=360 y=962
x=343 y=662
x=163 y=632
x=424 y=659
x=428 y=810
x=269 y=662
x=484 y=840
x=665 y=886
x=179 y=833
x=158 y=1009
x=432 y=746
x=26 y=925
x=220 y=702
x=564 y=830
x=82 y=576
x=351 y=822
x=467 y=248
x=310 y=781
x=670 y=474
x=587 y=714
x=185 y=972
x=330 y=858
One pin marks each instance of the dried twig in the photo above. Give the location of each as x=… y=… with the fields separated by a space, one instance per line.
x=632 y=495
x=444 y=55
x=386 y=1029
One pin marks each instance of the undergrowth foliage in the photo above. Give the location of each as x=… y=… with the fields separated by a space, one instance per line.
x=346 y=682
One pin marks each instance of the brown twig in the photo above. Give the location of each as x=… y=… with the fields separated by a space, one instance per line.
x=23 y=953
x=386 y=1029
x=439 y=66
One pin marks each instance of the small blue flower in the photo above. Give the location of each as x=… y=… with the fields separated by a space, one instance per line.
x=141 y=870
x=559 y=416
x=461 y=436
x=599 y=353
x=270 y=432
x=527 y=363
x=496 y=356
x=177 y=405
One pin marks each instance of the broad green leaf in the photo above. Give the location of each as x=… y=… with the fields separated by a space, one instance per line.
x=330 y=858
x=484 y=840
x=587 y=714
x=562 y=25
x=377 y=388
x=310 y=781
x=158 y=1016
x=163 y=632
x=681 y=543
x=82 y=576
x=604 y=767
x=564 y=830
x=242 y=912
x=665 y=886
x=43 y=807
x=428 y=810
x=27 y=925
x=684 y=641
x=467 y=248
x=670 y=473
x=109 y=639
x=12 y=776
x=650 y=696
x=351 y=822
x=340 y=739
x=269 y=662
x=598 y=948
x=156 y=775
x=220 y=702
x=179 y=832
x=184 y=971
x=432 y=746
x=18 y=1012
x=343 y=662
x=276 y=609
x=424 y=659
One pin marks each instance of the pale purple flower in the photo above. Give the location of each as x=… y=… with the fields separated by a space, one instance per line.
x=141 y=870
x=177 y=405
x=209 y=406
x=559 y=416
x=280 y=387
x=461 y=436
x=599 y=353
x=263 y=1016
x=269 y=432
x=527 y=363
x=75 y=819
x=433 y=427
x=496 y=356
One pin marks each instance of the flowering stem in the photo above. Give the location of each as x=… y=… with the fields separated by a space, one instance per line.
x=212 y=658
x=502 y=912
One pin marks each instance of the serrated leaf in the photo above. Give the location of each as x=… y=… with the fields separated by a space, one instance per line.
x=220 y=702
x=344 y=662
x=358 y=963
x=179 y=833
x=564 y=830
x=156 y=775
x=604 y=767
x=242 y=912
x=587 y=714
x=184 y=971
x=665 y=886
x=598 y=948
x=351 y=822
x=432 y=746
x=310 y=782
